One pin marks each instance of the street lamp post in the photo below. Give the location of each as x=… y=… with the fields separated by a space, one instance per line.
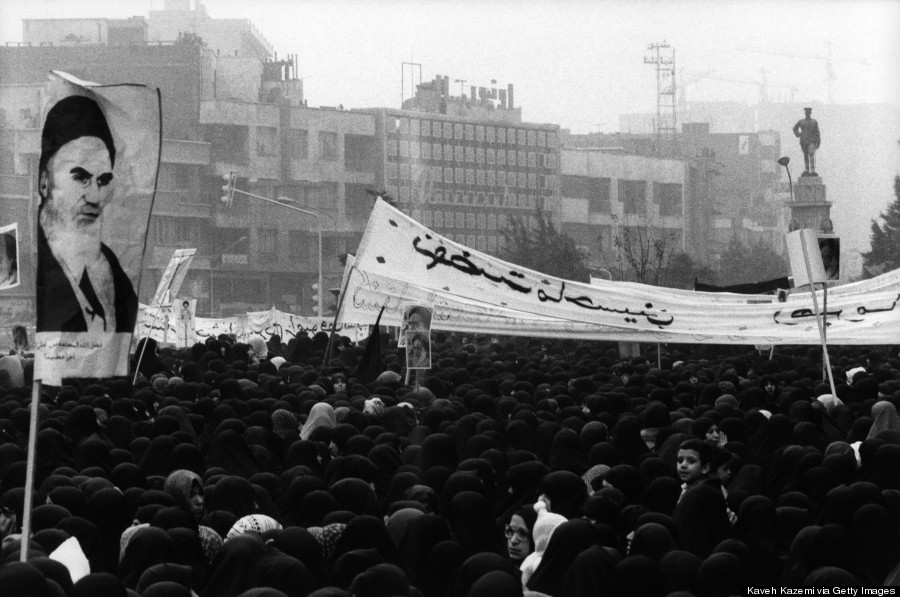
x=225 y=250
x=286 y=202
x=784 y=161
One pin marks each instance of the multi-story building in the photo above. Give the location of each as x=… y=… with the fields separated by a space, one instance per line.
x=465 y=166
x=225 y=108
x=722 y=186
x=607 y=196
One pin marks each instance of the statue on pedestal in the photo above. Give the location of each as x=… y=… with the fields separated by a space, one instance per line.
x=807 y=129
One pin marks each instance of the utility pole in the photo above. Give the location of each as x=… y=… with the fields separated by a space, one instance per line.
x=462 y=83
x=662 y=56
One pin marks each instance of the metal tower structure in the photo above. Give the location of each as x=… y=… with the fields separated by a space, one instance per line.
x=662 y=56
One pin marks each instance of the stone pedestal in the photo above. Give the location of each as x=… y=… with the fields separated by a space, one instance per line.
x=810 y=209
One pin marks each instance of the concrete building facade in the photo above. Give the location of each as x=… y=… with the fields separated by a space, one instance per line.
x=466 y=167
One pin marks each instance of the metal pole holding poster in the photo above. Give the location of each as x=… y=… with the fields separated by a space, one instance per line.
x=29 y=470
x=810 y=277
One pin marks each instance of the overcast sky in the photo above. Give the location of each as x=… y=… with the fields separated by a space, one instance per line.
x=576 y=63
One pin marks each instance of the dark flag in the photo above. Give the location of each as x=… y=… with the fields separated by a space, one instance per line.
x=370 y=365
x=767 y=287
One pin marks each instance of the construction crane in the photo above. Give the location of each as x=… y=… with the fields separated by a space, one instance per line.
x=762 y=84
x=690 y=79
x=828 y=58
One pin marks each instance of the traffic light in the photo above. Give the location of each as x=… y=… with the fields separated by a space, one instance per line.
x=317 y=308
x=228 y=189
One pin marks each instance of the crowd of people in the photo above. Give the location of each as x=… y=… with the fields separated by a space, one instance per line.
x=512 y=467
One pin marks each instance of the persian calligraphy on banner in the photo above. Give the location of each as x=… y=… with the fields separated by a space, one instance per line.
x=100 y=150
x=160 y=325
x=399 y=262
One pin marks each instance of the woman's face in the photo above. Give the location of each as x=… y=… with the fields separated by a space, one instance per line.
x=196 y=500
x=518 y=538
x=713 y=433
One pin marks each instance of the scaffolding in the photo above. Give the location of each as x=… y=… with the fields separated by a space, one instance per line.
x=662 y=57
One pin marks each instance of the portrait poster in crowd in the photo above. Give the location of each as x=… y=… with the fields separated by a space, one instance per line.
x=9 y=256
x=184 y=321
x=416 y=318
x=418 y=350
x=100 y=150
x=173 y=276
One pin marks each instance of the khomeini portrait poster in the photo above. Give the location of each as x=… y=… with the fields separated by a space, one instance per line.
x=100 y=150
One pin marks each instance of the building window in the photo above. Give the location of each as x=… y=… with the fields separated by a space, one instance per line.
x=470 y=132
x=426 y=216
x=490 y=134
x=459 y=153
x=438 y=219
x=501 y=135
x=436 y=174
x=458 y=131
x=392 y=147
x=492 y=221
x=300 y=144
x=501 y=157
x=531 y=137
x=172 y=231
x=668 y=197
x=482 y=221
x=266 y=140
x=522 y=137
x=357 y=202
x=491 y=178
x=436 y=129
x=458 y=175
x=449 y=220
x=414 y=127
x=392 y=170
x=460 y=219
x=542 y=138
x=470 y=176
x=414 y=150
x=501 y=178
x=404 y=149
x=268 y=242
x=470 y=154
x=479 y=133
x=479 y=177
x=328 y=146
x=448 y=175
x=631 y=194
x=532 y=160
x=359 y=153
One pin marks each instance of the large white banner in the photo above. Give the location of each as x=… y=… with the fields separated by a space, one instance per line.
x=399 y=261
x=100 y=149
x=173 y=276
x=163 y=325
